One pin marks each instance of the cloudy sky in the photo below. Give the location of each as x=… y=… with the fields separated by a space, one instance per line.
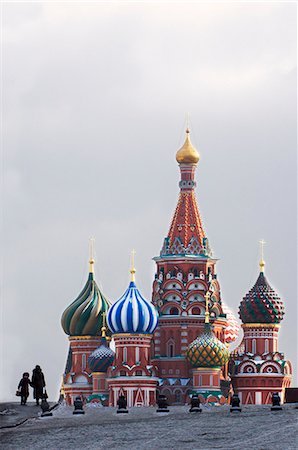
x=95 y=97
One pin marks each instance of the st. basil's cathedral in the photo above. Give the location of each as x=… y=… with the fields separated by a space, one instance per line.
x=178 y=344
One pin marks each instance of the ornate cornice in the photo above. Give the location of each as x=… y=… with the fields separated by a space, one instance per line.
x=260 y=325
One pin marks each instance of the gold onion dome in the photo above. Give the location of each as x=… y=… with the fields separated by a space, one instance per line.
x=187 y=154
x=207 y=350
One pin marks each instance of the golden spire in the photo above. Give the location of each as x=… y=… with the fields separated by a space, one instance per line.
x=62 y=391
x=262 y=262
x=91 y=253
x=132 y=266
x=187 y=154
x=103 y=328
x=207 y=296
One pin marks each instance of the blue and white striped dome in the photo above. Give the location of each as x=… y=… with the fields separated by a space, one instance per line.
x=132 y=313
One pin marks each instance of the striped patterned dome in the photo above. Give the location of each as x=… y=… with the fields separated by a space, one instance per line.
x=233 y=327
x=101 y=358
x=262 y=304
x=84 y=315
x=207 y=350
x=132 y=313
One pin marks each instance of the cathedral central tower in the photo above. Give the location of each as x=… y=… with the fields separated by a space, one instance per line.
x=185 y=272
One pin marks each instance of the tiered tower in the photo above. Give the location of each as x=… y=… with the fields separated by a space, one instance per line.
x=258 y=369
x=207 y=355
x=132 y=320
x=82 y=322
x=185 y=272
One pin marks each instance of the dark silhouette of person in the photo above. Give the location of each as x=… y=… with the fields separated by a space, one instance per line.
x=24 y=388
x=38 y=383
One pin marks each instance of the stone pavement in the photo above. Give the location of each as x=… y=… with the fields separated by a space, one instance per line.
x=13 y=413
x=256 y=428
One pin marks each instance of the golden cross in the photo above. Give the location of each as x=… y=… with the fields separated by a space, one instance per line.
x=262 y=243
x=262 y=262
x=103 y=328
x=91 y=247
x=91 y=254
x=132 y=269
x=187 y=122
x=207 y=296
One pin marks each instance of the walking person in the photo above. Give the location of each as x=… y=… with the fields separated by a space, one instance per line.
x=23 y=388
x=38 y=383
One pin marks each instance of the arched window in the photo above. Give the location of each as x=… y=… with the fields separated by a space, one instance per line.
x=124 y=354
x=196 y=311
x=122 y=373
x=171 y=348
x=253 y=346
x=84 y=361
x=174 y=311
x=139 y=373
x=137 y=355
x=266 y=346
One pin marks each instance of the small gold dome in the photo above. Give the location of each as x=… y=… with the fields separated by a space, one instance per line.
x=187 y=153
x=262 y=265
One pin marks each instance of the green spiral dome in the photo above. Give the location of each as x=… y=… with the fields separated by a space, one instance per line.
x=207 y=351
x=84 y=316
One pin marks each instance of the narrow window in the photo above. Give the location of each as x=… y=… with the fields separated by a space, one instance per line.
x=83 y=361
x=253 y=346
x=137 y=355
x=125 y=354
x=171 y=348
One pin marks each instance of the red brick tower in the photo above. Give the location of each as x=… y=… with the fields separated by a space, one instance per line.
x=185 y=272
x=258 y=369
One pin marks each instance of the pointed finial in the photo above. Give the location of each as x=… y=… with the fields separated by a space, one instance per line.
x=91 y=255
x=262 y=262
x=132 y=266
x=187 y=123
x=103 y=328
x=62 y=391
x=207 y=296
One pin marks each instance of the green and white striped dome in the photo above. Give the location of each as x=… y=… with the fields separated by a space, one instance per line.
x=84 y=316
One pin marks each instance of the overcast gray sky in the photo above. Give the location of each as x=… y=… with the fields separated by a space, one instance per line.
x=95 y=97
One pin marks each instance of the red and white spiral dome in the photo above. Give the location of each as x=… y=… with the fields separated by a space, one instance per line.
x=233 y=327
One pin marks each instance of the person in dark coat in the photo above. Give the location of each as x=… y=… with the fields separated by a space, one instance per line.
x=23 y=387
x=38 y=383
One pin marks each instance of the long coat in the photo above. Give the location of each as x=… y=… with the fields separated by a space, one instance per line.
x=38 y=383
x=24 y=386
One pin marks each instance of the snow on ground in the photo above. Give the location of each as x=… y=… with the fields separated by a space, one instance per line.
x=256 y=428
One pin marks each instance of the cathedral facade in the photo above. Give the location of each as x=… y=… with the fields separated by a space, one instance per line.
x=178 y=344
